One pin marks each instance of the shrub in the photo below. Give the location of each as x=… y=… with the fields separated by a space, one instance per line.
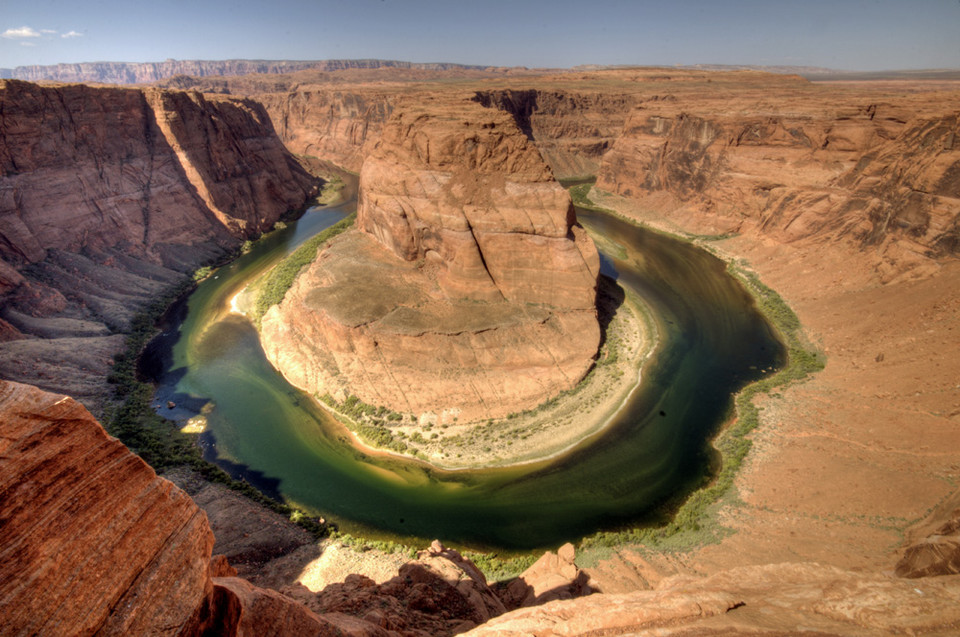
x=275 y=285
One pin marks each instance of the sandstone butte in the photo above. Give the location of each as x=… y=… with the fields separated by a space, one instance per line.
x=469 y=291
x=841 y=196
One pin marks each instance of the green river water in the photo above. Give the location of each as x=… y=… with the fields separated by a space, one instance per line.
x=713 y=341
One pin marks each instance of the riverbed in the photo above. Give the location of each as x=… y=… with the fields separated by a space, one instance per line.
x=261 y=429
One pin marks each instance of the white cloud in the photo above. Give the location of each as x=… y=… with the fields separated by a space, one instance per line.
x=47 y=31
x=71 y=34
x=22 y=32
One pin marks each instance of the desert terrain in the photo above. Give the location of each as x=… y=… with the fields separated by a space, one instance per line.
x=844 y=197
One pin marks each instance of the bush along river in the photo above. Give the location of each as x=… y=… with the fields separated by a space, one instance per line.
x=259 y=428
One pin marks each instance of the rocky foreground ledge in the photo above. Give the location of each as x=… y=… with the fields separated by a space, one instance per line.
x=469 y=291
x=93 y=542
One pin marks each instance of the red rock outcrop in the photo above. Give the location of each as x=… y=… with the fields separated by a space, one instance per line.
x=109 y=196
x=554 y=576
x=93 y=541
x=937 y=554
x=470 y=291
x=872 y=174
x=438 y=594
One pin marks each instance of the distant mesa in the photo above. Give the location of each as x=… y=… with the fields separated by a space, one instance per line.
x=147 y=72
x=468 y=290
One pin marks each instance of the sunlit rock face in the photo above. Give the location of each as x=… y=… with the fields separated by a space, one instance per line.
x=469 y=290
x=881 y=177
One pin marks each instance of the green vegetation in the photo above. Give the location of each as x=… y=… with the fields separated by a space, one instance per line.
x=498 y=569
x=695 y=520
x=579 y=195
x=275 y=285
x=330 y=191
x=384 y=546
x=369 y=423
x=132 y=419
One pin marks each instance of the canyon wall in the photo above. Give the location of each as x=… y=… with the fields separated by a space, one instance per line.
x=147 y=72
x=107 y=197
x=879 y=177
x=340 y=126
x=572 y=129
x=469 y=292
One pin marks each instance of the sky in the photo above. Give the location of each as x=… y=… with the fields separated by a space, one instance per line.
x=859 y=35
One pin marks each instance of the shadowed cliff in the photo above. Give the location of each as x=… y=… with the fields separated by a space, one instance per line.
x=107 y=198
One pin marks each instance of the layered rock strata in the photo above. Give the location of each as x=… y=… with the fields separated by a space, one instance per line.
x=572 y=129
x=146 y=72
x=879 y=175
x=107 y=197
x=469 y=290
x=337 y=125
x=93 y=541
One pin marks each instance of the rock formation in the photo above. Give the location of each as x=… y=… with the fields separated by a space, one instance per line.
x=107 y=197
x=148 y=72
x=469 y=291
x=875 y=174
x=93 y=541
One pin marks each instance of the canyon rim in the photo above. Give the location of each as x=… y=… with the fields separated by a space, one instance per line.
x=843 y=197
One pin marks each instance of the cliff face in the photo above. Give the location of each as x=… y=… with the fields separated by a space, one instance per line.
x=107 y=196
x=882 y=176
x=86 y=168
x=146 y=72
x=92 y=541
x=470 y=290
x=337 y=125
x=572 y=129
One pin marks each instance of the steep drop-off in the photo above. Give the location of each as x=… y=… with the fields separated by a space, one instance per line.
x=107 y=196
x=341 y=126
x=95 y=543
x=469 y=292
x=882 y=176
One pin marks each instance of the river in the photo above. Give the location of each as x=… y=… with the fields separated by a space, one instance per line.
x=713 y=341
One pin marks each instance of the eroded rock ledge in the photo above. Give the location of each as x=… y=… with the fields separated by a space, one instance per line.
x=469 y=290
